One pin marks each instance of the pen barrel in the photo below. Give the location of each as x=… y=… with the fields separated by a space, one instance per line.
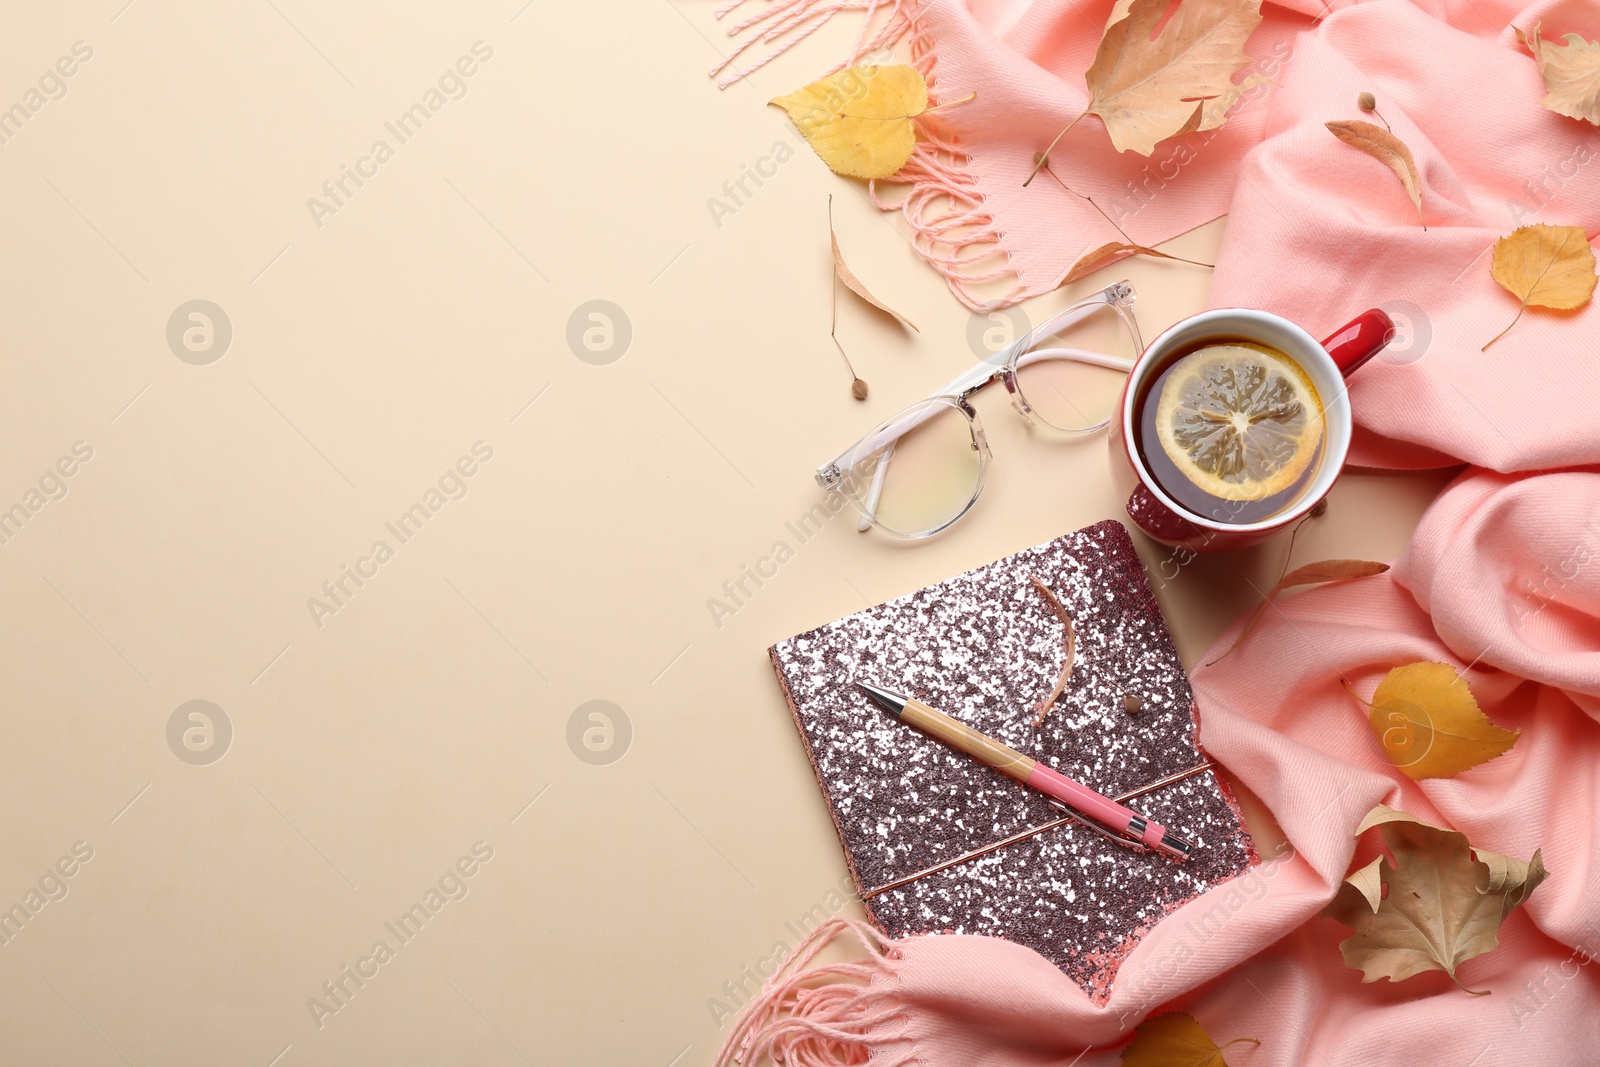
x=964 y=738
x=1081 y=798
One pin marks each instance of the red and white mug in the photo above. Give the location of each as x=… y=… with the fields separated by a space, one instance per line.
x=1327 y=364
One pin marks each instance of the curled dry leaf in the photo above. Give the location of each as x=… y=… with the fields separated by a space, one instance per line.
x=859 y=120
x=1545 y=266
x=1429 y=724
x=1069 y=641
x=854 y=284
x=1147 y=88
x=1323 y=572
x=1176 y=1039
x=1111 y=252
x=1387 y=149
x=1430 y=904
x=1571 y=74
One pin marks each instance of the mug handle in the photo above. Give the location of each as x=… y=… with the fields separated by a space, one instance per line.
x=1359 y=340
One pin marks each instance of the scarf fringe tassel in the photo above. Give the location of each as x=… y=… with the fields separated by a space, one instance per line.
x=950 y=227
x=826 y=1015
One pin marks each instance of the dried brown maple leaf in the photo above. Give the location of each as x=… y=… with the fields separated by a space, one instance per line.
x=1147 y=88
x=1546 y=266
x=1328 y=570
x=1430 y=904
x=1143 y=87
x=1176 y=1039
x=1387 y=149
x=1571 y=74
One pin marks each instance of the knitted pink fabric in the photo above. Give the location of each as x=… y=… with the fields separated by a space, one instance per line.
x=1501 y=580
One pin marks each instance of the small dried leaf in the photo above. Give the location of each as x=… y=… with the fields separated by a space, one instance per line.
x=1142 y=85
x=1387 y=149
x=1429 y=905
x=854 y=284
x=859 y=121
x=1571 y=74
x=1325 y=571
x=1545 y=266
x=1112 y=251
x=1069 y=641
x=1175 y=1039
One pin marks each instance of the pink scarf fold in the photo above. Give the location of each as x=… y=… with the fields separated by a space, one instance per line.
x=1503 y=582
x=1502 y=578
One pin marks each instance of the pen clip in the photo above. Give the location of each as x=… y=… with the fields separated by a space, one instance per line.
x=1120 y=838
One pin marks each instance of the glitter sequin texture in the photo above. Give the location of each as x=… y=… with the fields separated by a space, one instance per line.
x=984 y=647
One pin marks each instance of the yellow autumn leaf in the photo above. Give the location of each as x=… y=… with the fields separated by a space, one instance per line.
x=1429 y=725
x=1571 y=73
x=1545 y=266
x=1431 y=904
x=859 y=121
x=1175 y=1039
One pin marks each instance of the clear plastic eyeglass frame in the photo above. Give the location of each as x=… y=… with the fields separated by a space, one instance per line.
x=840 y=474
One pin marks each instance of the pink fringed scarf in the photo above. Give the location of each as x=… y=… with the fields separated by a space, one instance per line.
x=1502 y=579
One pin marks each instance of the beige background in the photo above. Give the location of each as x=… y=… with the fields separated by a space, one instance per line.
x=368 y=353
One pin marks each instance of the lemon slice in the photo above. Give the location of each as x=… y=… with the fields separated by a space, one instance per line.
x=1241 y=421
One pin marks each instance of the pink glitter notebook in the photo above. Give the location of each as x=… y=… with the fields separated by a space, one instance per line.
x=986 y=647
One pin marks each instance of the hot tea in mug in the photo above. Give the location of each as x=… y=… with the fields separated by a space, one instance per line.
x=1231 y=429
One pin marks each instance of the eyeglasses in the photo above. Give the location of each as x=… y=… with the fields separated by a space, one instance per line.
x=937 y=446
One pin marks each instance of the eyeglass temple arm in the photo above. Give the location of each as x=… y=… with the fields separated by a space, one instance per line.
x=972 y=380
x=977 y=376
x=1115 y=295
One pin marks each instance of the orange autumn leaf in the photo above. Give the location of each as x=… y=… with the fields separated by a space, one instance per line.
x=1176 y=1039
x=1429 y=724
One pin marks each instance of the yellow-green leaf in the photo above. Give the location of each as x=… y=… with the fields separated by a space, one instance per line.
x=1546 y=266
x=1429 y=725
x=859 y=121
x=1175 y=1039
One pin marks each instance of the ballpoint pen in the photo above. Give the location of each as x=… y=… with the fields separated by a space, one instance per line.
x=1121 y=821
